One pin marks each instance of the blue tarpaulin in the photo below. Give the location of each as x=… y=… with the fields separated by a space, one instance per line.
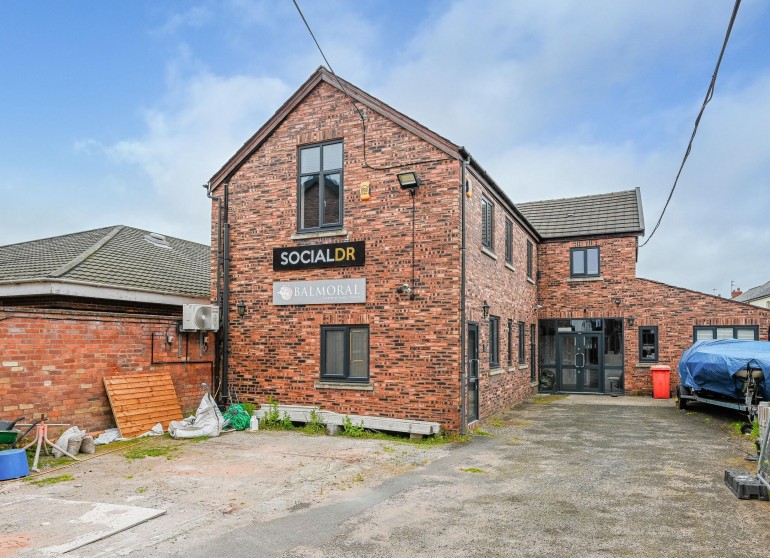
x=711 y=365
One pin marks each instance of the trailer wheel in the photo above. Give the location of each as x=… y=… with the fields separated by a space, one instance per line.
x=681 y=402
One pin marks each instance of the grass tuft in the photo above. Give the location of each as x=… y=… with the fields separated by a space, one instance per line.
x=50 y=480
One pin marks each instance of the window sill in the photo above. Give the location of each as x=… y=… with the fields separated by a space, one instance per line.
x=584 y=279
x=488 y=252
x=530 y=280
x=647 y=364
x=319 y=234
x=344 y=385
x=523 y=366
x=496 y=371
x=509 y=266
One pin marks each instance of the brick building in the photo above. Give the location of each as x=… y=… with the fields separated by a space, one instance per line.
x=601 y=328
x=79 y=307
x=370 y=266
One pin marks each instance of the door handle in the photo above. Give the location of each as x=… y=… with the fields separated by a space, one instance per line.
x=582 y=360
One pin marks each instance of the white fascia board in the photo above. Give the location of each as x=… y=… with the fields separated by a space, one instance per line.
x=85 y=290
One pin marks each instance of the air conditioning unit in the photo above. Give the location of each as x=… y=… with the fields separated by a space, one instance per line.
x=200 y=317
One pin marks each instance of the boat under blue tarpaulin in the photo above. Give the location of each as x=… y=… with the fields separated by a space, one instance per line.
x=712 y=366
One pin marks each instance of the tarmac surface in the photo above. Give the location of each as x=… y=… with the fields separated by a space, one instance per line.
x=574 y=476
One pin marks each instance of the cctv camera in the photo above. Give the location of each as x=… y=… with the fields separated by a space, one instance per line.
x=404 y=289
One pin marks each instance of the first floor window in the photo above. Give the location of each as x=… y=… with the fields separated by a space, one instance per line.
x=584 y=262
x=530 y=259
x=494 y=342
x=748 y=333
x=508 y=242
x=522 y=344
x=320 y=186
x=648 y=344
x=487 y=224
x=345 y=353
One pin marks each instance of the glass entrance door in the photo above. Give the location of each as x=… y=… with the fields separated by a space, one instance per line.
x=473 y=373
x=579 y=364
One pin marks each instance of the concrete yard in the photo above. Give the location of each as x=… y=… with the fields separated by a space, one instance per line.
x=577 y=476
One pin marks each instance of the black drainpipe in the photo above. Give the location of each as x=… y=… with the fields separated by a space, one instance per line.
x=224 y=394
x=463 y=359
x=216 y=370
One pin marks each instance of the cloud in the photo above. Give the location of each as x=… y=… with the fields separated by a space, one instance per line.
x=204 y=120
x=194 y=17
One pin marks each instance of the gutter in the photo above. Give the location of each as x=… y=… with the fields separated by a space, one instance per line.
x=83 y=289
x=499 y=191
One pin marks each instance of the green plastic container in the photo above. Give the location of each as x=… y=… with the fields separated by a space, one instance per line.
x=8 y=436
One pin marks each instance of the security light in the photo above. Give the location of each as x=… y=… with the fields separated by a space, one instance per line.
x=408 y=180
x=241 y=306
x=485 y=310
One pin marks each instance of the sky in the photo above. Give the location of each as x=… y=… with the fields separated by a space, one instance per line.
x=118 y=112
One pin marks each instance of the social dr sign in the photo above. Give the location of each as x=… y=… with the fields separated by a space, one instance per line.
x=334 y=291
x=341 y=254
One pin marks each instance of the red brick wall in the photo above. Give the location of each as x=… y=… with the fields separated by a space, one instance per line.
x=53 y=362
x=510 y=295
x=414 y=345
x=674 y=310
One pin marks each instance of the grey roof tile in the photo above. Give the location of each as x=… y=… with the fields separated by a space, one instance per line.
x=614 y=213
x=754 y=293
x=112 y=256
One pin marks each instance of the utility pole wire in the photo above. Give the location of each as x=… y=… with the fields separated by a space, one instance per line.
x=709 y=95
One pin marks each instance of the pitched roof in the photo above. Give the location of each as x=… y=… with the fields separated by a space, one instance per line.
x=754 y=293
x=322 y=75
x=614 y=213
x=117 y=257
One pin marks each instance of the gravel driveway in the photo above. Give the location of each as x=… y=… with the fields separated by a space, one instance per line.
x=578 y=476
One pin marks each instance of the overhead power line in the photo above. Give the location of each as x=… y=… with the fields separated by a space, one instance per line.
x=709 y=95
x=361 y=114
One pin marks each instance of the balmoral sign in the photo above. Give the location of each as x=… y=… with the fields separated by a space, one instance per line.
x=342 y=254
x=334 y=291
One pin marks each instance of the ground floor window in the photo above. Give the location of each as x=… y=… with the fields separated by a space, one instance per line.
x=494 y=342
x=648 y=344
x=532 y=365
x=747 y=333
x=345 y=353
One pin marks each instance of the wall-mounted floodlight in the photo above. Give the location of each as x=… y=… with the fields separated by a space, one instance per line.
x=408 y=180
x=630 y=321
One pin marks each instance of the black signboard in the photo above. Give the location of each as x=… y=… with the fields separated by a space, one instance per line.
x=341 y=254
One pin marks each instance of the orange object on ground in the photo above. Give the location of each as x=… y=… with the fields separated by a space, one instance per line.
x=661 y=382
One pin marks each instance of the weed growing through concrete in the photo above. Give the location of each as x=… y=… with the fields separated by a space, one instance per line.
x=141 y=490
x=472 y=470
x=50 y=480
x=271 y=420
x=547 y=399
x=157 y=451
x=352 y=430
x=315 y=425
x=746 y=429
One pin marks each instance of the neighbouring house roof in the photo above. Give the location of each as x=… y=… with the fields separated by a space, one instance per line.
x=754 y=293
x=601 y=214
x=322 y=75
x=119 y=263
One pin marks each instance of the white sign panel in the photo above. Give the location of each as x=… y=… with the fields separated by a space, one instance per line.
x=334 y=291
